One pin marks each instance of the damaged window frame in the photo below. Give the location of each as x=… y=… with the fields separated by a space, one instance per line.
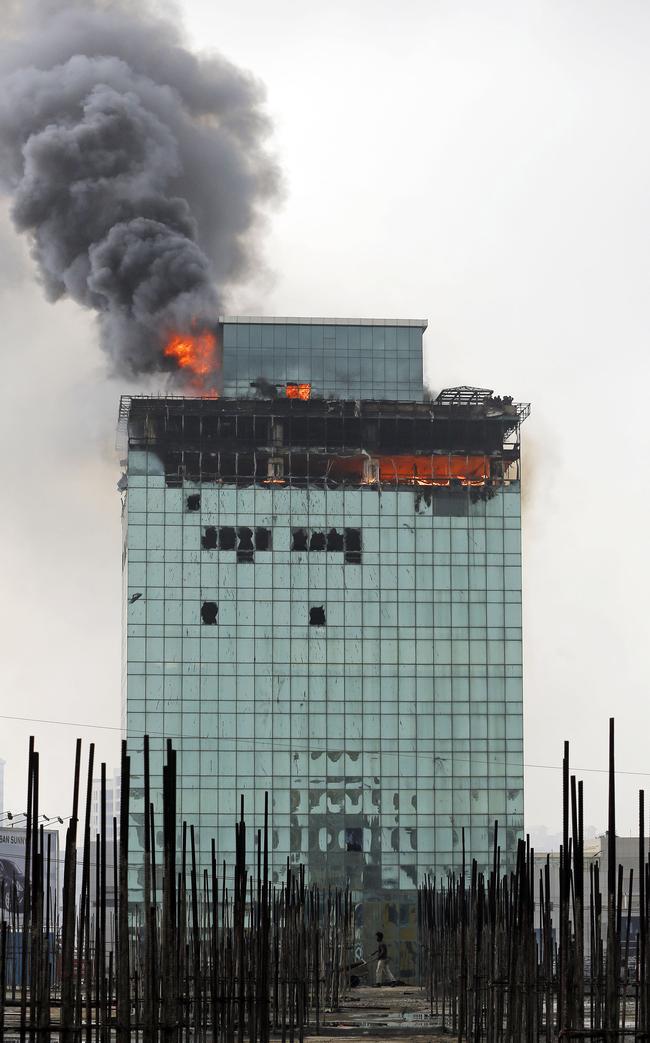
x=317 y=616
x=334 y=443
x=331 y=541
x=209 y=613
x=242 y=539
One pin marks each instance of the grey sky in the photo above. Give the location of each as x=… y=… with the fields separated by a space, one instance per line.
x=485 y=165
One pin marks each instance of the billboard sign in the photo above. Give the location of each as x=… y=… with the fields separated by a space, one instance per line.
x=12 y=866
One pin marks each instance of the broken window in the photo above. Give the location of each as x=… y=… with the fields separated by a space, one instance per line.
x=173 y=468
x=317 y=616
x=209 y=465
x=245 y=549
x=175 y=423
x=354 y=839
x=245 y=465
x=227 y=537
x=348 y=541
x=318 y=466
x=209 y=538
x=240 y=539
x=295 y=390
x=334 y=540
x=299 y=539
x=370 y=471
x=262 y=539
x=275 y=468
x=317 y=541
x=227 y=427
x=194 y=502
x=277 y=431
x=353 y=546
x=192 y=465
x=209 y=613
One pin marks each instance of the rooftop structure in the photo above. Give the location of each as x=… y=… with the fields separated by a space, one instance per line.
x=349 y=358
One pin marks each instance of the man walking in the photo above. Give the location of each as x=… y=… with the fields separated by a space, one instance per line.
x=384 y=973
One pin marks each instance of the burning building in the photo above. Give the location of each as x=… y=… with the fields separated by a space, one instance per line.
x=323 y=601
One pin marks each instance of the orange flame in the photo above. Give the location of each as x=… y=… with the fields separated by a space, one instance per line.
x=302 y=391
x=197 y=354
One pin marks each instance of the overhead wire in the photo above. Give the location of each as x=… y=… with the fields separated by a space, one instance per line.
x=273 y=742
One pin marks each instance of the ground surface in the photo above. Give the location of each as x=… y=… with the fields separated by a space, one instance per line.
x=369 y=1013
x=398 y=1012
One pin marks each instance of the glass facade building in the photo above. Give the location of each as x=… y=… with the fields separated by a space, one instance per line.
x=323 y=601
x=365 y=358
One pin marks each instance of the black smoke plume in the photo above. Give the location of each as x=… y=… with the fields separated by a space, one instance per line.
x=137 y=169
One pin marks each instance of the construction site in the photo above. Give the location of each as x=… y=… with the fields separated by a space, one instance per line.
x=225 y=954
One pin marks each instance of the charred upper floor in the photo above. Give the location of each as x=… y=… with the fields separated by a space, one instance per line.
x=448 y=424
x=465 y=434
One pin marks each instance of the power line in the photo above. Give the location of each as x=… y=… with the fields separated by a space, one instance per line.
x=274 y=742
x=69 y=724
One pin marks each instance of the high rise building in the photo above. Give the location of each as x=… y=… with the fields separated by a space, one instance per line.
x=323 y=601
x=112 y=830
x=112 y=806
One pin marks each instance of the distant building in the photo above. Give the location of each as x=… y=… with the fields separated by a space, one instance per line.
x=112 y=804
x=112 y=812
x=595 y=855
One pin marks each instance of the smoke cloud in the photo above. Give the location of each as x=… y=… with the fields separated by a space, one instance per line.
x=138 y=170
